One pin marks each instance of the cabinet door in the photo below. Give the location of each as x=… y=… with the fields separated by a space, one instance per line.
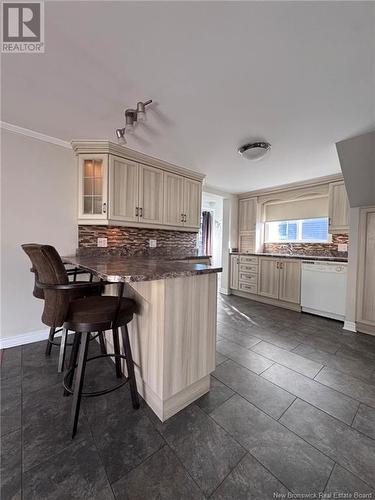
x=366 y=272
x=247 y=214
x=290 y=281
x=192 y=203
x=150 y=195
x=234 y=271
x=123 y=180
x=338 y=208
x=268 y=282
x=173 y=200
x=92 y=191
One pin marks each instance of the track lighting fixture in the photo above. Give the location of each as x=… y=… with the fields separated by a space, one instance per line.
x=132 y=117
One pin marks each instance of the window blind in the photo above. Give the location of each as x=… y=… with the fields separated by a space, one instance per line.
x=297 y=209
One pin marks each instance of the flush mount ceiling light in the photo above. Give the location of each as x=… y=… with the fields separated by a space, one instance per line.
x=255 y=150
x=132 y=117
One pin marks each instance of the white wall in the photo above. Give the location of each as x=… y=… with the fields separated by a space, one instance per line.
x=38 y=205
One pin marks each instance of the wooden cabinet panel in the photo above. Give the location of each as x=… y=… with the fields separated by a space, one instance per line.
x=290 y=281
x=173 y=199
x=251 y=259
x=150 y=194
x=123 y=180
x=268 y=282
x=92 y=186
x=234 y=271
x=192 y=203
x=247 y=213
x=366 y=272
x=338 y=208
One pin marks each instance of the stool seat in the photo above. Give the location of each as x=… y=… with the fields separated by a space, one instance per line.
x=97 y=313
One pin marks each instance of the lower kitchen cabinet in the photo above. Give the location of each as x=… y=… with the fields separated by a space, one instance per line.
x=290 y=281
x=269 y=277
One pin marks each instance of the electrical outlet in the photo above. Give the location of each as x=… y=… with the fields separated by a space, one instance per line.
x=342 y=247
x=102 y=242
x=152 y=243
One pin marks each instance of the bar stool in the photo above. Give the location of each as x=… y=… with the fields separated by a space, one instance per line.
x=84 y=291
x=82 y=316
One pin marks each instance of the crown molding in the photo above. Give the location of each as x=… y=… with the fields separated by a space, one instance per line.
x=293 y=185
x=207 y=188
x=35 y=135
x=108 y=147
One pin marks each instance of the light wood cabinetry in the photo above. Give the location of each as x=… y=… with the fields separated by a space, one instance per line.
x=234 y=270
x=123 y=186
x=366 y=272
x=290 y=281
x=93 y=189
x=118 y=186
x=150 y=194
x=269 y=277
x=338 y=208
x=247 y=214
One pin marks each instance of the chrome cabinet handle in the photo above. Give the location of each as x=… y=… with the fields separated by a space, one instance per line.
x=136 y=211
x=141 y=212
x=277 y=265
x=182 y=217
x=104 y=209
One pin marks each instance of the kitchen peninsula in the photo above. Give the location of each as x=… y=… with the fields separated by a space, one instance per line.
x=173 y=334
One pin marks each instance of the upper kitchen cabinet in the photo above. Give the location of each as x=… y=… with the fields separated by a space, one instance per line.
x=338 y=208
x=92 y=179
x=247 y=213
x=118 y=186
x=123 y=188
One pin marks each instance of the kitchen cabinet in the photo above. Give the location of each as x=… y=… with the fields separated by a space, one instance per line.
x=192 y=203
x=92 y=182
x=118 y=186
x=269 y=277
x=123 y=181
x=280 y=279
x=234 y=271
x=338 y=208
x=173 y=200
x=150 y=195
x=247 y=214
x=365 y=320
x=290 y=281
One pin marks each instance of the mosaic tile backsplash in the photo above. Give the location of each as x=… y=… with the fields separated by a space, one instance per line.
x=134 y=241
x=313 y=249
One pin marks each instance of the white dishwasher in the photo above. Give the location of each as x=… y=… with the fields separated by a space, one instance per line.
x=323 y=288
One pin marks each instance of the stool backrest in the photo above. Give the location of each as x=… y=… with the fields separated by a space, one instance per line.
x=50 y=270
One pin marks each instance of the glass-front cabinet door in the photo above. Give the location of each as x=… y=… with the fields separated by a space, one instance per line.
x=93 y=176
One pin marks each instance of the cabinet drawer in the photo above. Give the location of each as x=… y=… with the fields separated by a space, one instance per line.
x=249 y=277
x=249 y=287
x=251 y=259
x=249 y=268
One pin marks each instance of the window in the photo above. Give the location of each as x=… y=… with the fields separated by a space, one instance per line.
x=298 y=231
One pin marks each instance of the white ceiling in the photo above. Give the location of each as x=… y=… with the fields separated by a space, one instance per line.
x=298 y=74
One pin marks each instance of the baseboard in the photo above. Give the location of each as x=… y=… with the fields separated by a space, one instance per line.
x=25 y=338
x=350 y=326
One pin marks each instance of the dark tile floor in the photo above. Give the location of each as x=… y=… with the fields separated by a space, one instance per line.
x=291 y=409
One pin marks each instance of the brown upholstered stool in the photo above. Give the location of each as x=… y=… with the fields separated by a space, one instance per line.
x=83 y=292
x=82 y=316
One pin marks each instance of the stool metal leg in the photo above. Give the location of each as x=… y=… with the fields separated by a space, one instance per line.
x=64 y=336
x=80 y=375
x=73 y=361
x=116 y=348
x=50 y=339
x=103 y=349
x=130 y=367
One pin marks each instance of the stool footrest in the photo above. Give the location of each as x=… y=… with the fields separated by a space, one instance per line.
x=95 y=393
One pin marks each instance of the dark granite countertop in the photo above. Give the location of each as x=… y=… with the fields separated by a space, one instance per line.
x=116 y=268
x=149 y=253
x=296 y=256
